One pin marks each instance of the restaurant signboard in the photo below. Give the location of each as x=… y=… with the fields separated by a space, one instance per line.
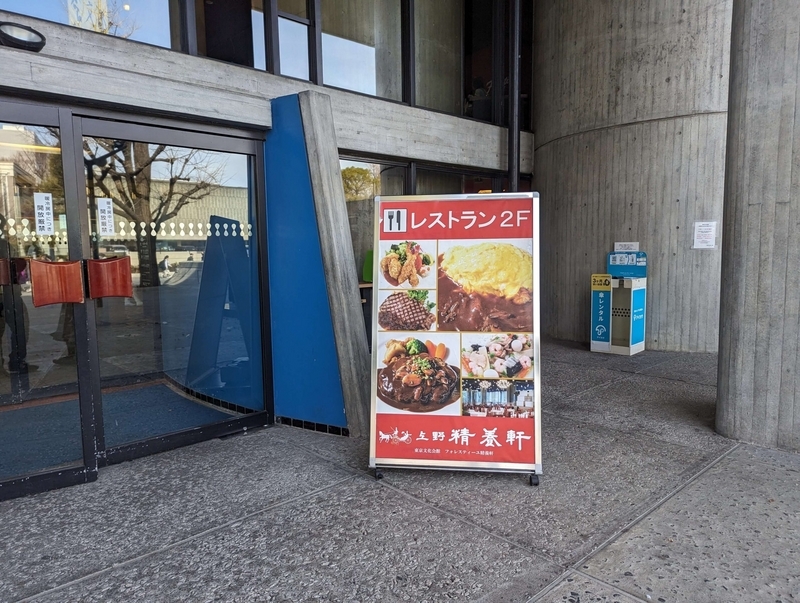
x=455 y=345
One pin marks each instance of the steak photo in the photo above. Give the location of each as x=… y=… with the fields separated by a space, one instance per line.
x=403 y=311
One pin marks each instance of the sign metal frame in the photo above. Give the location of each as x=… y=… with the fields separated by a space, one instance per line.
x=534 y=467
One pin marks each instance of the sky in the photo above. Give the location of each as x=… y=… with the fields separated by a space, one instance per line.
x=347 y=64
x=151 y=17
x=233 y=168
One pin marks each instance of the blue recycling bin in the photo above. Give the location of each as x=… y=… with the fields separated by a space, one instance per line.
x=619 y=304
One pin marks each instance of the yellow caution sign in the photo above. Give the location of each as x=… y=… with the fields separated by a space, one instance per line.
x=601 y=282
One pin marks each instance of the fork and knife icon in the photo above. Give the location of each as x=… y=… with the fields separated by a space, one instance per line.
x=393 y=216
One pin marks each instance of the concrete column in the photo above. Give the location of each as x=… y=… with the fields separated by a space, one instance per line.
x=337 y=259
x=630 y=102
x=759 y=392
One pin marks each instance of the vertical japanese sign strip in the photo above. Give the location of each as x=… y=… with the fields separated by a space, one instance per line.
x=43 y=208
x=456 y=369
x=105 y=216
x=601 y=312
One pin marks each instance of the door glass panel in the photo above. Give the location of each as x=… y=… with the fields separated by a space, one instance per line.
x=185 y=349
x=39 y=414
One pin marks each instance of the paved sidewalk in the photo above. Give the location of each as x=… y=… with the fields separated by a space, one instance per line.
x=640 y=501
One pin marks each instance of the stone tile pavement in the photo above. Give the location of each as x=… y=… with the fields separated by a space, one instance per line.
x=640 y=501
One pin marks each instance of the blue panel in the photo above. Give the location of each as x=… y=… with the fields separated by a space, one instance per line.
x=224 y=358
x=627 y=264
x=638 y=301
x=601 y=316
x=210 y=331
x=306 y=369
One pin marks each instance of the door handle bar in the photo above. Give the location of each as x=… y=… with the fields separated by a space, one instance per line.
x=68 y=282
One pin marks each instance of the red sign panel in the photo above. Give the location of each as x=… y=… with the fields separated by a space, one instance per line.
x=455 y=341
x=467 y=219
x=488 y=440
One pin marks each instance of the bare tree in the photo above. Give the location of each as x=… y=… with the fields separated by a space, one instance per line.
x=123 y=172
x=103 y=16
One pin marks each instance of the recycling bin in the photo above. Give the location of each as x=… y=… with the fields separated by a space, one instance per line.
x=619 y=305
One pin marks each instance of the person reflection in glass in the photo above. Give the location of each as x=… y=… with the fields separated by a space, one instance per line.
x=13 y=311
x=65 y=331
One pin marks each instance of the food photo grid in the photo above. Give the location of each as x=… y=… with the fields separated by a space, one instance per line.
x=461 y=344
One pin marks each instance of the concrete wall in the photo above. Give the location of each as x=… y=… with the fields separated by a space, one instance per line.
x=87 y=66
x=630 y=101
x=759 y=390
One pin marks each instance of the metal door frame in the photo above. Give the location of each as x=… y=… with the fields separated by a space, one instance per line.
x=75 y=123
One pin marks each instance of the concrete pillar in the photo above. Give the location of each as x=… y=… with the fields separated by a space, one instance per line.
x=630 y=101
x=337 y=259
x=759 y=392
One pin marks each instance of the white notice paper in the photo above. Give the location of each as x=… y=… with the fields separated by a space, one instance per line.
x=105 y=217
x=43 y=208
x=632 y=246
x=705 y=235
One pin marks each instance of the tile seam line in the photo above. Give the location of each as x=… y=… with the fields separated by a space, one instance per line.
x=595 y=387
x=611 y=586
x=355 y=471
x=178 y=543
x=652 y=366
x=541 y=555
x=533 y=552
x=654 y=507
x=630 y=432
x=624 y=375
x=551 y=586
x=574 y=568
x=628 y=125
x=612 y=368
x=570 y=572
x=674 y=380
x=640 y=372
